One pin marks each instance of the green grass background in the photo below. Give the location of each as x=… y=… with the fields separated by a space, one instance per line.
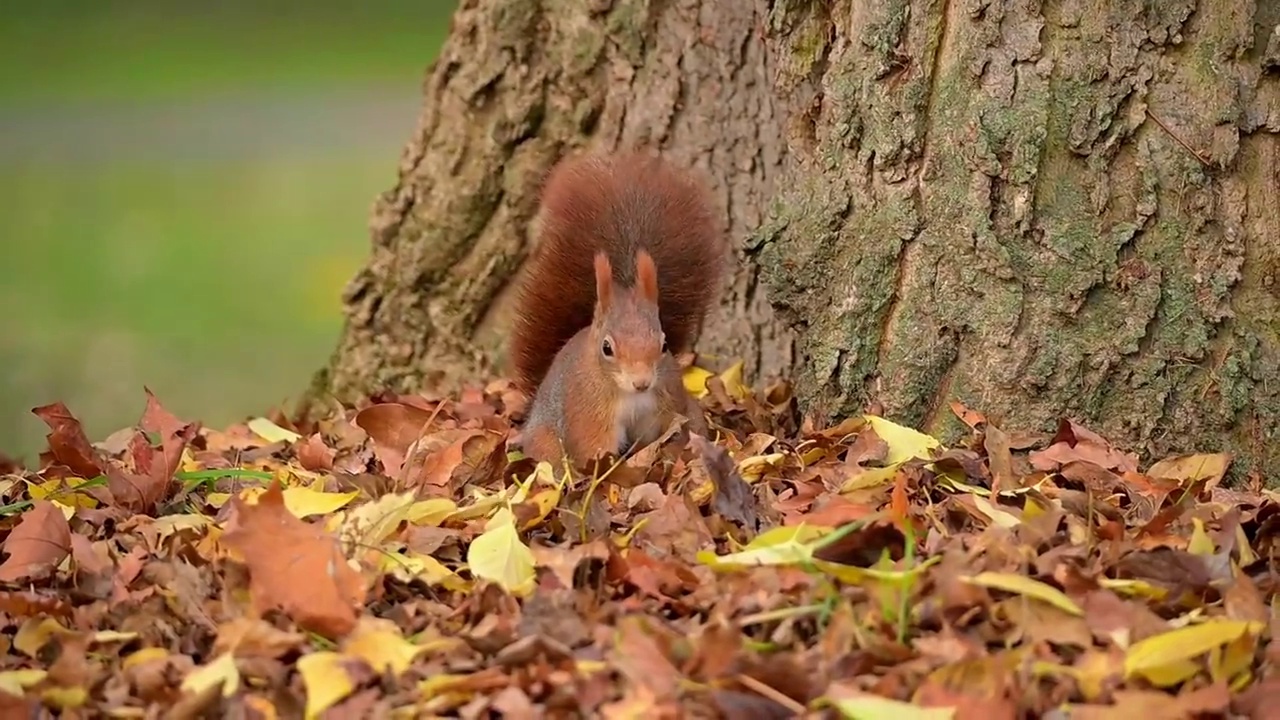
x=209 y=270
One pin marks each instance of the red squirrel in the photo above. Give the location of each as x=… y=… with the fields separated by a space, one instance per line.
x=628 y=263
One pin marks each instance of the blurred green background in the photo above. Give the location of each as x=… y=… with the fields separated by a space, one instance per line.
x=184 y=190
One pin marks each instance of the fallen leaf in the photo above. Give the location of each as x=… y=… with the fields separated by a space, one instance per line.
x=40 y=542
x=1026 y=586
x=304 y=573
x=499 y=555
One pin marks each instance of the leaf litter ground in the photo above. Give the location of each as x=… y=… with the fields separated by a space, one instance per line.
x=400 y=560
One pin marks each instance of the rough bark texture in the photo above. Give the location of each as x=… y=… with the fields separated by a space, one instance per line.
x=1068 y=207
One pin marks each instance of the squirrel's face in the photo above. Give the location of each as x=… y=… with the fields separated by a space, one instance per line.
x=629 y=346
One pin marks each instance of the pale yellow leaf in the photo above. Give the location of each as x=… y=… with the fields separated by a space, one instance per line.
x=272 y=432
x=409 y=565
x=15 y=682
x=904 y=443
x=168 y=525
x=372 y=523
x=874 y=707
x=34 y=633
x=500 y=556
x=325 y=680
x=1029 y=587
x=106 y=636
x=753 y=468
x=484 y=504
x=379 y=643
x=1000 y=517
x=222 y=671
x=1200 y=542
x=146 y=654
x=785 y=545
x=1151 y=655
x=431 y=512
x=870 y=478
x=1191 y=468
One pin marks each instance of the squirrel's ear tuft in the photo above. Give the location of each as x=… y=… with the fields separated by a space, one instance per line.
x=604 y=281
x=647 y=276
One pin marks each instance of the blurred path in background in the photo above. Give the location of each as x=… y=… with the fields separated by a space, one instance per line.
x=216 y=128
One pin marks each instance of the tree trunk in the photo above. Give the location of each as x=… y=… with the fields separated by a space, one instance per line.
x=1038 y=209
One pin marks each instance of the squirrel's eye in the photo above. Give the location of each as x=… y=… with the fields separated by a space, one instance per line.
x=607 y=348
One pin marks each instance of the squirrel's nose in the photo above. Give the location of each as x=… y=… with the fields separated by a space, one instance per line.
x=641 y=383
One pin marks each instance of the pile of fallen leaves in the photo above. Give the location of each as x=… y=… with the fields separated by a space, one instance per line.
x=401 y=559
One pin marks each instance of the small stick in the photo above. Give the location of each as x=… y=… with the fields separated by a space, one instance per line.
x=1179 y=140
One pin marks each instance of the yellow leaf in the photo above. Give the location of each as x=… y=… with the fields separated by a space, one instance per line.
x=65 y=698
x=500 y=556
x=1171 y=674
x=222 y=671
x=372 y=523
x=168 y=525
x=870 y=478
x=1094 y=671
x=408 y=565
x=695 y=380
x=753 y=468
x=874 y=707
x=440 y=684
x=733 y=384
x=217 y=499
x=35 y=633
x=1024 y=585
x=999 y=517
x=904 y=443
x=304 y=502
x=431 y=512
x=1247 y=556
x=325 y=679
x=146 y=654
x=106 y=636
x=272 y=432
x=1133 y=588
x=262 y=706
x=1200 y=543
x=378 y=642
x=1152 y=655
x=15 y=682
x=1191 y=468
x=484 y=504
x=786 y=545
x=1231 y=660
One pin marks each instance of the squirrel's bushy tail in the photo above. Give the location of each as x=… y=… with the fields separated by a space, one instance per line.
x=619 y=203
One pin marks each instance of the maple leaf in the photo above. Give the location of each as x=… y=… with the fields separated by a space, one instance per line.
x=295 y=566
x=36 y=547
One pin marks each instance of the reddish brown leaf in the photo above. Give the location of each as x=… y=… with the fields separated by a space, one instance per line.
x=392 y=427
x=41 y=541
x=68 y=445
x=314 y=455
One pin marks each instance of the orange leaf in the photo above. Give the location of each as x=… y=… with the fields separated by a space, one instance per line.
x=294 y=565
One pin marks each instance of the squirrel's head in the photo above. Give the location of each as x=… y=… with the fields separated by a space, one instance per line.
x=627 y=331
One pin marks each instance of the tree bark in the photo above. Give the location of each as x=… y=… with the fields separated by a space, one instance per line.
x=1038 y=209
